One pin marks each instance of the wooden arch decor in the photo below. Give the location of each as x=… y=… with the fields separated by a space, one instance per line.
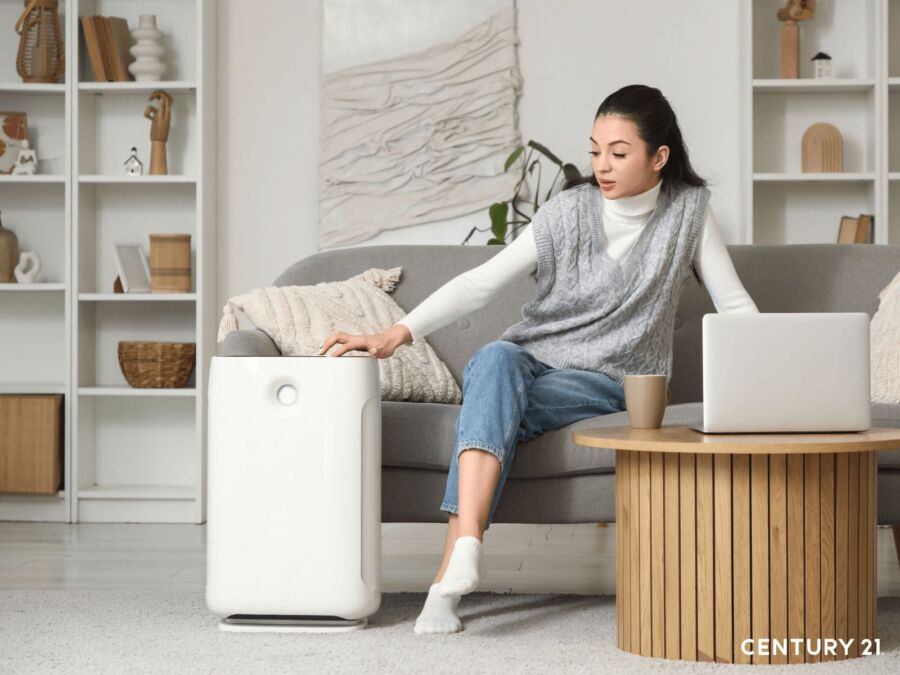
x=822 y=149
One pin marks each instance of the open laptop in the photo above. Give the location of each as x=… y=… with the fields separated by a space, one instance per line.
x=785 y=372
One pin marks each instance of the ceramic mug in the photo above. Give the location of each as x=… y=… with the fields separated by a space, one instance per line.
x=646 y=397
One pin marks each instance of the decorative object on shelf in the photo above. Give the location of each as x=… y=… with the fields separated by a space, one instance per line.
x=790 y=14
x=28 y=268
x=823 y=149
x=170 y=263
x=157 y=365
x=134 y=272
x=398 y=113
x=9 y=255
x=108 y=41
x=147 y=51
x=13 y=134
x=134 y=166
x=159 y=131
x=31 y=443
x=26 y=162
x=821 y=65
x=41 y=57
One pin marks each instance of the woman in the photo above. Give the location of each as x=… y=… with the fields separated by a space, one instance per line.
x=611 y=255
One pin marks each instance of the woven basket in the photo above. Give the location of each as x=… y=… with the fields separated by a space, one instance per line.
x=153 y=365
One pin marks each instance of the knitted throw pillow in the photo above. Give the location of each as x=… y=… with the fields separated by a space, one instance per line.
x=300 y=318
x=885 y=345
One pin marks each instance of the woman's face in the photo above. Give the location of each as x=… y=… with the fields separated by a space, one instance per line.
x=619 y=158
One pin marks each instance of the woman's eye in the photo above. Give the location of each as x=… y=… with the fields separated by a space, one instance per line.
x=616 y=154
x=593 y=153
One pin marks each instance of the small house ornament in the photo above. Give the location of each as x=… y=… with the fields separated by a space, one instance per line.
x=134 y=166
x=821 y=65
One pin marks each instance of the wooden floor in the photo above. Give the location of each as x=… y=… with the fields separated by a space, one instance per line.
x=519 y=558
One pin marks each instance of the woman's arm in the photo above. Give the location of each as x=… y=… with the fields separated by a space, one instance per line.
x=717 y=271
x=472 y=290
x=462 y=295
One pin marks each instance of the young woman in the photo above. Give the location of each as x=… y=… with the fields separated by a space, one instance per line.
x=612 y=255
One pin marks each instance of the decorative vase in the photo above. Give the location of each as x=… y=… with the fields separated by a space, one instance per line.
x=41 y=57
x=9 y=254
x=146 y=51
x=28 y=268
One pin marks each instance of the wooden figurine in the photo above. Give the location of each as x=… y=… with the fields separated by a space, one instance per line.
x=159 y=131
x=790 y=14
x=822 y=149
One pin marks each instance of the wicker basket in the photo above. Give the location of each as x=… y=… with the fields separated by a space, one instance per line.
x=153 y=365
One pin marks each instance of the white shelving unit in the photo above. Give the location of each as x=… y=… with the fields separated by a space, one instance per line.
x=862 y=99
x=132 y=455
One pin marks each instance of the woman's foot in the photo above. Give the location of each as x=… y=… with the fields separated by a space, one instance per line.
x=465 y=569
x=439 y=613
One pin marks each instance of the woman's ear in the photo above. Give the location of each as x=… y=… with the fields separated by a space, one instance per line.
x=662 y=156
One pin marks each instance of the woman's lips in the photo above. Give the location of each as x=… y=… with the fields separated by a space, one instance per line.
x=607 y=183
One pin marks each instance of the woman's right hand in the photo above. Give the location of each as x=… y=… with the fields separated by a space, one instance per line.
x=379 y=345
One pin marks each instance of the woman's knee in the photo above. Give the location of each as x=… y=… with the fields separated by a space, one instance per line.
x=496 y=353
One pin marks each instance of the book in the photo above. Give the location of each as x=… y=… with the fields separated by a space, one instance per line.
x=847 y=231
x=118 y=39
x=864 y=231
x=92 y=42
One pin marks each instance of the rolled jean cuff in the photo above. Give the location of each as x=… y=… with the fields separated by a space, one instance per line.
x=481 y=445
x=452 y=509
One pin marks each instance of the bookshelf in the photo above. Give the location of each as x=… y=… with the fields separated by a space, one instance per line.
x=131 y=455
x=862 y=99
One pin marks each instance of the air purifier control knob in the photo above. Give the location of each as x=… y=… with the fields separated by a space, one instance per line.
x=287 y=394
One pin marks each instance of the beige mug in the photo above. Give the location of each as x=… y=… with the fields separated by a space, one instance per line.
x=646 y=397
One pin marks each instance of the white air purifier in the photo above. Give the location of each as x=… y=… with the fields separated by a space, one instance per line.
x=294 y=493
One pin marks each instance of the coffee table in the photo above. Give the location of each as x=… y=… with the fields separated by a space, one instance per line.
x=725 y=538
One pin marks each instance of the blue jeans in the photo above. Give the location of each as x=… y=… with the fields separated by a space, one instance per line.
x=510 y=397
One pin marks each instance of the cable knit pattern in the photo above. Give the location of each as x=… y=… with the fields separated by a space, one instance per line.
x=593 y=312
x=300 y=318
x=885 y=345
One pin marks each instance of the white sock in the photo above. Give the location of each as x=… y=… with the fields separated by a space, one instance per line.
x=439 y=614
x=465 y=569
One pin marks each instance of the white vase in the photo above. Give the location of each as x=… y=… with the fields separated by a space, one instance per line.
x=147 y=67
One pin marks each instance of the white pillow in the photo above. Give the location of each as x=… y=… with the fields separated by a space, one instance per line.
x=300 y=318
x=885 y=345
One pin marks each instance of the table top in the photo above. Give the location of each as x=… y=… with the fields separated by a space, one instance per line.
x=682 y=438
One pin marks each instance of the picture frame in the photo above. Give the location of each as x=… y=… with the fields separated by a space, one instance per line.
x=13 y=131
x=133 y=268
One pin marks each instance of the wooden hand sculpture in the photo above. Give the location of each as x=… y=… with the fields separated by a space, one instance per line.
x=159 y=131
x=790 y=14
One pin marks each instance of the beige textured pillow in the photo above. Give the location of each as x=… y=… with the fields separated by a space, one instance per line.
x=300 y=318
x=884 y=333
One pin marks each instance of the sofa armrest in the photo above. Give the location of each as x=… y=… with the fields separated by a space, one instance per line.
x=247 y=343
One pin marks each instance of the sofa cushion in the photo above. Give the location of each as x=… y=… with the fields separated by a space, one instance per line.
x=423 y=436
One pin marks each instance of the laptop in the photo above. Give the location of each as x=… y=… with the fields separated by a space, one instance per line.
x=786 y=372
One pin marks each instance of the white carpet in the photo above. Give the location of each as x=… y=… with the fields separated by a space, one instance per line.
x=153 y=631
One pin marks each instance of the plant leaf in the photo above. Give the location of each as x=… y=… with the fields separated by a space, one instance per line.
x=514 y=155
x=498 y=212
x=495 y=242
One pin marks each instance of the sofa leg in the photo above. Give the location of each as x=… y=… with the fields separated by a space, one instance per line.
x=896 y=529
x=605 y=524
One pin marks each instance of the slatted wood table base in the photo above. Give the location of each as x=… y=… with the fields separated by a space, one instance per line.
x=715 y=549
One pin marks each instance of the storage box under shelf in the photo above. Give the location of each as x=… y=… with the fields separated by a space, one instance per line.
x=31 y=443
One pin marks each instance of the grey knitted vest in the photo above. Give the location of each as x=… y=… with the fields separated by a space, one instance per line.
x=593 y=312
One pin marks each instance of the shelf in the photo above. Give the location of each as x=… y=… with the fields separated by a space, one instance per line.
x=137 y=492
x=137 y=297
x=39 y=178
x=894 y=175
x=136 y=87
x=32 y=388
x=36 y=287
x=137 y=179
x=32 y=88
x=894 y=83
x=804 y=85
x=183 y=392
x=847 y=177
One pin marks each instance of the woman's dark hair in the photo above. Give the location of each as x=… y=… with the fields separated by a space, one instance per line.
x=656 y=124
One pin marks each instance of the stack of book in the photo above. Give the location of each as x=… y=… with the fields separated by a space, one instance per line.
x=108 y=39
x=856 y=230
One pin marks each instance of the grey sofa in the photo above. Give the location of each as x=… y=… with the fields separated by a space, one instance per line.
x=552 y=480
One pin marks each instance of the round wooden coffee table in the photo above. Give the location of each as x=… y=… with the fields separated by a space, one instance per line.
x=745 y=548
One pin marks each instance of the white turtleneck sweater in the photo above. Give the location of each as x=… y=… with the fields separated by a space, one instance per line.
x=623 y=220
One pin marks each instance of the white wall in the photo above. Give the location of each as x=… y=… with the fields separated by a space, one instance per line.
x=572 y=54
